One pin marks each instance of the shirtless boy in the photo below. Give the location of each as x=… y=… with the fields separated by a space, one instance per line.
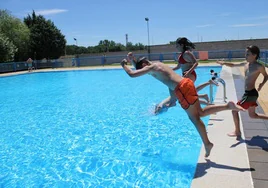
x=184 y=90
x=249 y=100
x=187 y=63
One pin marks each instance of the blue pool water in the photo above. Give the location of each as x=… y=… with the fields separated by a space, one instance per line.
x=94 y=129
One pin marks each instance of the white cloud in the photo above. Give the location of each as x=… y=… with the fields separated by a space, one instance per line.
x=50 y=11
x=245 y=25
x=259 y=18
x=206 y=25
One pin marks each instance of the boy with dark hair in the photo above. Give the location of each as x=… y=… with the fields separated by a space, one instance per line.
x=187 y=63
x=252 y=69
x=183 y=89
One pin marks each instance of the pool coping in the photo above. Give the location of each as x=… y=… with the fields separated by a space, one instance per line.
x=256 y=134
x=235 y=163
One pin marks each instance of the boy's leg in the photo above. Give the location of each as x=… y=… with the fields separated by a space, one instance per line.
x=169 y=101
x=195 y=112
x=166 y=103
x=237 y=131
x=204 y=96
x=211 y=109
x=193 y=115
x=252 y=113
x=200 y=87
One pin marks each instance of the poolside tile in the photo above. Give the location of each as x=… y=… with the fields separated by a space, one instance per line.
x=247 y=119
x=261 y=170
x=260 y=183
x=254 y=133
x=258 y=155
x=254 y=126
x=257 y=142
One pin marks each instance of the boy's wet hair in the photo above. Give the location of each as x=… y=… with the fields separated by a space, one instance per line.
x=254 y=50
x=187 y=44
x=139 y=63
x=211 y=70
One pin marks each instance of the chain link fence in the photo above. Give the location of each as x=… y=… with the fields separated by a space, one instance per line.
x=116 y=59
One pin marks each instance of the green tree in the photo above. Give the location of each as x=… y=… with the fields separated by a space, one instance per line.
x=71 y=49
x=7 y=49
x=82 y=50
x=102 y=47
x=94 y=49
x=139 y=46
x=17 y=33
x=110 y=46
x=46 y=41
x=130 y=46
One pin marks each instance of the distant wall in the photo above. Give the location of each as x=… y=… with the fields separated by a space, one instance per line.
x=217 y=45
x=200 y=46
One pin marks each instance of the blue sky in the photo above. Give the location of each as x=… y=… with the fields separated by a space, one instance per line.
x=200 y=20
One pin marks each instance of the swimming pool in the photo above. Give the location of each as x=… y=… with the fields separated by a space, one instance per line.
x=94 y=129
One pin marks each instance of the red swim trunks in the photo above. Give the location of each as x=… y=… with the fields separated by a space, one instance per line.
x=186 y=93
x=249 y=99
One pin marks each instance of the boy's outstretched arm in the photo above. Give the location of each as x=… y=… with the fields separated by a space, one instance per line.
x=178 y=66
x=230 y=64
x=131 y=58
x=136 y=73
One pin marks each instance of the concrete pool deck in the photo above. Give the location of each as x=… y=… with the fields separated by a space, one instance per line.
x=235 y=163
x=232 y=163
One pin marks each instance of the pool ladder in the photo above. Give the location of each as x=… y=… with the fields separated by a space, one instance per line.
x=219 y=80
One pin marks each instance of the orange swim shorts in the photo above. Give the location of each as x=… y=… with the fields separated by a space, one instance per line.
x=186 y=93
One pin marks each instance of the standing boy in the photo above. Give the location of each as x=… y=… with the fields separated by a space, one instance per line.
x=249 y=100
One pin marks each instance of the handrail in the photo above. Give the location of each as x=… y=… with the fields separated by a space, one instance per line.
x=218 y=80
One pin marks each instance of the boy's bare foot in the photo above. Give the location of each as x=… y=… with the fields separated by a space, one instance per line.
x=234 y=134
x=213 y=82
x=235 y=107
x=208 y=149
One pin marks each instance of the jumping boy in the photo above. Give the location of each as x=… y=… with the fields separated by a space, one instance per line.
x=183 y=89
x=187 y=63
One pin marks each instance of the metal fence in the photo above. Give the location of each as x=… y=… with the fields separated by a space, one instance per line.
x=110 y=60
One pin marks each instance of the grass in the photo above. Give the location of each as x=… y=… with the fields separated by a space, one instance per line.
x=202 y=61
